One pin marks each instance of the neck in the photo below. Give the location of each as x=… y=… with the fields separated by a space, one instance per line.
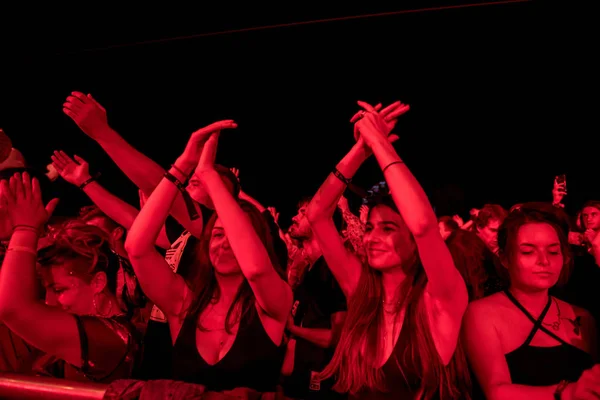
x=119 y=248
x=533 y=300
x=229 y=285
x=391 y=280
x=311 y=249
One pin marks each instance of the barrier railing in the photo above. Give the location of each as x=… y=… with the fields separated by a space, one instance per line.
x=24 y=387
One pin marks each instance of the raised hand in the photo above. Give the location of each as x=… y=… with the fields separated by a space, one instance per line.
x=474 y=212
x=87 y=113
x=389 y=114
x=22 y=198
x=274 y=214
x=364 y=213
x=378 y=123
x=459 y=221
x=343 y=203
x=75 y=171
x=143 y=198
x=194 y=148
x=236 y=172
x=559 y=191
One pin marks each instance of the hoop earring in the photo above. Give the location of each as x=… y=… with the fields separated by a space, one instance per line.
x=98 y=311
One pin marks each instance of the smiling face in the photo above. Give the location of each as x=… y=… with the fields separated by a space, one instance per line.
x=220 y=252
x=387 y=240
x=68 y=290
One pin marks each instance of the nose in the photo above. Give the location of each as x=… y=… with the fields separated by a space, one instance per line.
x=542 y=259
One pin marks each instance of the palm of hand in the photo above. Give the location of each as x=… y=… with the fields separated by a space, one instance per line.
x=74 y=173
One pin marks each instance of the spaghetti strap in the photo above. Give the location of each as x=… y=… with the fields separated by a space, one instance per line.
x=537 y=323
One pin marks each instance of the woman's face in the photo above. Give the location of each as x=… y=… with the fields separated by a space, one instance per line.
x=387 y=240
x=68 y=291
x=538 y=259
x=220 y=253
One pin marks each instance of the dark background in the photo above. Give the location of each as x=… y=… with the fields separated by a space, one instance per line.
x=499 y=93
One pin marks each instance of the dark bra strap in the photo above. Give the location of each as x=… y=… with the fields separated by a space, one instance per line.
x=83 y=343
x=537 y=324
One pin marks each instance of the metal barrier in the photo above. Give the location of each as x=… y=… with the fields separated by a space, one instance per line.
x=24 y=387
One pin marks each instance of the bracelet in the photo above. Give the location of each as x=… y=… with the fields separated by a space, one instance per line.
x=560 y=389
x=189 y=202
x=175 y=181
x=392 y=163
x=176 y=168
x=22 y=249
x=87 y=182
x=341 y=177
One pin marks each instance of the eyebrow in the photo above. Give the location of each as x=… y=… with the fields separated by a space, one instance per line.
x=217 y=228
x=533 y=245
x=384 y=223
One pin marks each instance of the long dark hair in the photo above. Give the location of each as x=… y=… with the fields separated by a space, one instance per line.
x=355 y=361
x=202 y=278
x=469 y=255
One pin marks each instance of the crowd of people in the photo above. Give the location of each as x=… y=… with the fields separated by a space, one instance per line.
x=201 y=285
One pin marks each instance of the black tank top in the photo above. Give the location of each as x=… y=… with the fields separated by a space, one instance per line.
x=253 y=361
x=401 y=375
x=545 y=366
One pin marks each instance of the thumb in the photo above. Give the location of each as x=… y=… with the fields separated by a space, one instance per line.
x=392 y=138
x=51 y=206
x=79 y=159
x=95 y=102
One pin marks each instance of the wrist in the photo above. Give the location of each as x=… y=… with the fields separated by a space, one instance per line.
x=85 y=183
x=177 y=173
x=82 y=180
x=185 y=165
x=360 y=151
x=564 y=391
x=104 y=134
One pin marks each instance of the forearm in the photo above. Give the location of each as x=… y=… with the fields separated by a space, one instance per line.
x=18 y=285
x=252 y=200
x=243 y=239
x=140 y=169
x=324 y=203
x=116 y=209
x=146 y=227
x=321 y=337
x=467 y=225
x=408 y=195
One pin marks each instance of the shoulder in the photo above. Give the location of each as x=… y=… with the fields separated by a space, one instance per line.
x=485 y=309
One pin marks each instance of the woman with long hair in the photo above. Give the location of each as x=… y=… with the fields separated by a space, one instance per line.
x=523 y=343
x=406 y=300
x=227 y=320
x=81 y=325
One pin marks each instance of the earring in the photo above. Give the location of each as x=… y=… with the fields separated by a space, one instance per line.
x=98 y=311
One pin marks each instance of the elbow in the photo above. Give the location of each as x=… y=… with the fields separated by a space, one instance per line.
x=424 y=227
x=134 y=248
x=7 y=312
x=314 y=213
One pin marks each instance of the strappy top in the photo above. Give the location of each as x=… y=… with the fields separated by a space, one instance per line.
x=544 y=366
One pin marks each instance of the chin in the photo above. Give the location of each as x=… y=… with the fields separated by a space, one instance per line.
x=381 y=265
x=228 y=270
